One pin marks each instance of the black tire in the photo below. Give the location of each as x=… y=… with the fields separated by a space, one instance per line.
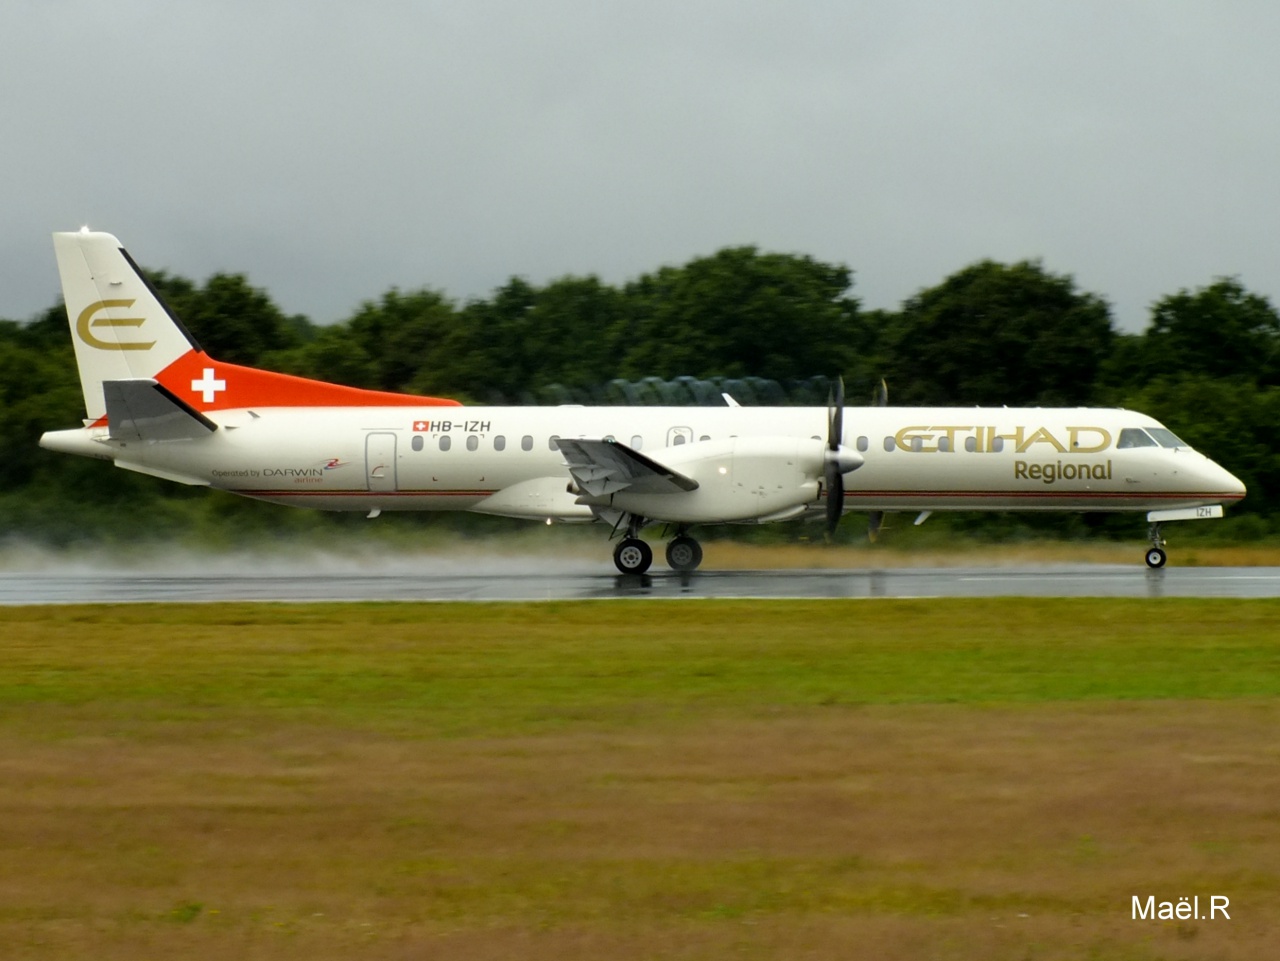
x=1156 y=558
x=632 y=556
x=684 y=554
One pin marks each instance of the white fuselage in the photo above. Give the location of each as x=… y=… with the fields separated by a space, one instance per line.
x=503 y=460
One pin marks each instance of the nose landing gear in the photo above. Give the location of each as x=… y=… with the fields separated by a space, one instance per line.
x=1156 y=556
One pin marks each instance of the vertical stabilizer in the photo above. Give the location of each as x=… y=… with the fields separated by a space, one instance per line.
x=119 y=326
x=123 y=332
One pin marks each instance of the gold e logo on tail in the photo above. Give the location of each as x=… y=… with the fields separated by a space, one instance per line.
x=87 y=321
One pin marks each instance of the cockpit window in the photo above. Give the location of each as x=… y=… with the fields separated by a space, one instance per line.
x=1134 y=437
x=1166 y=438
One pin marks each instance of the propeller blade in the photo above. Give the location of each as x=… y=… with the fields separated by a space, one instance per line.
x=880 y=396
x=835 y=498
x=832 y=467
x=835 y=420
x=873 y=527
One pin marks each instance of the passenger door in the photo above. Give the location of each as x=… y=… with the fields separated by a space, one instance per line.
x=380 y=460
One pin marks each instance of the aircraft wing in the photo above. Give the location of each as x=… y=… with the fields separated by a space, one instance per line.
x=145 y=410
x=603 y=467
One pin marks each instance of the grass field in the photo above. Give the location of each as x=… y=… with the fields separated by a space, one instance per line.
x=692 y=779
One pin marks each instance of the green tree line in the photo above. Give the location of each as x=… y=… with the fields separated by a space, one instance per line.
x=1208 y=364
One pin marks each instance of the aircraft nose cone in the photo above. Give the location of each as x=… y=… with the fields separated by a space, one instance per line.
x=1231 y=486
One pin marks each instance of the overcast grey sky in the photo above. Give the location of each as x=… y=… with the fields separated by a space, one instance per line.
x=331 y=150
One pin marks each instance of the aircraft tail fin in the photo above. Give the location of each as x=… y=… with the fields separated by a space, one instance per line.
x=119 y=326
x=123 y=332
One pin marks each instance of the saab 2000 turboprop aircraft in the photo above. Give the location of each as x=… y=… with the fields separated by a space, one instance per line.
x=157 y=404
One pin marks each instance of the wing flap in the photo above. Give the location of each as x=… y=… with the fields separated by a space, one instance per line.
x=604 y=467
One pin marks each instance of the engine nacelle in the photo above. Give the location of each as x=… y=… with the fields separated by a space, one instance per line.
x=739 y=479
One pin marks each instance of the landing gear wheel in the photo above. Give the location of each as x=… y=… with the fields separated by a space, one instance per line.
x=684 y=554
x=632 y=556
x=1156 y=558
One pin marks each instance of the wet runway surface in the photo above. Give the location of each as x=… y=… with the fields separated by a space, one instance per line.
x=527 y=582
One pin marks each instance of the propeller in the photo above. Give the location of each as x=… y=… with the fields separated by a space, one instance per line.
x=837 y=460
x=873 y=525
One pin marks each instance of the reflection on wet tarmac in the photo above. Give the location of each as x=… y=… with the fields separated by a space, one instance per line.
x=537 y=583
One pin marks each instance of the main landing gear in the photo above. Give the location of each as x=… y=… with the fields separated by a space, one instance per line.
x=634 y=556
x=684 y=553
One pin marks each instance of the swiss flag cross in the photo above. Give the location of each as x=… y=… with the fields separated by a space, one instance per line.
x=421 y=425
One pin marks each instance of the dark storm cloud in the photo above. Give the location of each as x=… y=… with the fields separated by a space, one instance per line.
x=334 y=150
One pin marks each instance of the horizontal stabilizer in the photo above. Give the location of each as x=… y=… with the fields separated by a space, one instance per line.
x=145 y=410
x=603 y=467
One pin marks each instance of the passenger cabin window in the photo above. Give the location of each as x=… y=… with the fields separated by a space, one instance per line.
x=1166 y=438
x=554 y=442
x=997 y=444
x=944 y=444
x=526 y=442
x=500 y=442
x=1135 y=437
x=971 y=444
x=417 y=442
x=705 y=437
x=863 y=444
x=637 y=442
x=445 y=442
x=889 y=444
x=473 y=442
